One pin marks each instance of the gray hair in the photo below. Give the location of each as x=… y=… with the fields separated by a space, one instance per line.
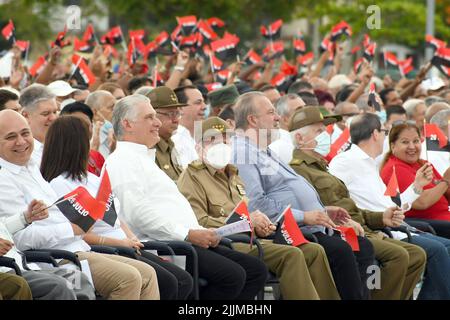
x=95 y=99
x=125 y=109
x=303 y=131
x=433 y=99
x=31 y=97
x=441 y=119
x=145 y=90
x=282 y=104
x=245 y=106
x=363 y=102
x=410 y=106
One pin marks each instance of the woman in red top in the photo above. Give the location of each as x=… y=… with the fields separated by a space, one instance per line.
x=432 y=205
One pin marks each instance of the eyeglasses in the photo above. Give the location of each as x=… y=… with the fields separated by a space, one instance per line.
x=171 y=114
x=386 y=131
x=399 y=122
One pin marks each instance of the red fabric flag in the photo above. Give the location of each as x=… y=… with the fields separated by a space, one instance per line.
x=305 y=59
x=348 y=234
x=432 y=131
x=89 y=35
x=187 y=24
x=38 y=66
x=273 y=31
x=240 y=212
x=299 y=46
x=392 y=189
x=339 y=145
x=405 y=66
x=207 y=32
x=81 y=45
x=8 y=31
x=355 y=49
x=288 y=69
x=358 y=64
x=82 y=73
x=252 y=57
x=105 y=196
x=390 y=58
x=275 y=48
x=137 y=34
x=162 y=39
x=216 y=22
x=216 y=63
x=213 y=86
x=339 y=29
x=435 y=43
x=288 y=231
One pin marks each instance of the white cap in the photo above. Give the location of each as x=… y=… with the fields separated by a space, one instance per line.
x=338 y=81
x=61 y=88
x=434 y=83
x=66 y=102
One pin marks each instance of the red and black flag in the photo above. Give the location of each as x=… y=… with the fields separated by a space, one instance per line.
x=189 y=41
x=355 y=50
x=175 y=33
x=216 y=64
x=340 y=145
x=434 y=43
x=206 y=31
x=373 y=102
x=81 y=45
x=9 y=32
x=187 y=24
x=390 y=59
x=369 y=51
x=133 y=53
x=38 y=66
x=288 y=231
x=273 y=50
x=60 y=39
x=113 y=36
x=240 y=212
x=89 y=35
x=441 y=57
x=357 y=65
x=405 y=66
x=273 y=31
x=325 y=45
x=340 y=29
x=216 y=23
x=137 y=34
x=24 y=47
x=305 y=59
x=252 y=57
x=366 y=40
x=213 y=86
x=392 y=189
x=162 y=39
x=223 y=75
x=299 y=46
x=81 y=208
x=82 y=73
x=432 y=131
x=288 y=69
x=225 y=48
x=232 y=37
x=348 y=234
x=281 y=81
x=104 y=195
x=151 y=49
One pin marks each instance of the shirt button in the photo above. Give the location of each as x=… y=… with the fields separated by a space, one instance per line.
x=166 y=167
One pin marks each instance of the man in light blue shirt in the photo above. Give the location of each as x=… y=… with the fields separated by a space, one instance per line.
x=271 y=186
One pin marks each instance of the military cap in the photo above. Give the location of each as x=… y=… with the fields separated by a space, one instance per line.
x=309 y=115
x=225 y=95
x=164 y=97
x=214 y=126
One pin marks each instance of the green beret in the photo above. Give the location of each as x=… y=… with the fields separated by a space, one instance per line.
x=223 y=96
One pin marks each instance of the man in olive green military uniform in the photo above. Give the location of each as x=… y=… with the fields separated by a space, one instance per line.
x=13 y=287
x=168 y=111
x=213 y=188
x=401 y=263
x=221 y=98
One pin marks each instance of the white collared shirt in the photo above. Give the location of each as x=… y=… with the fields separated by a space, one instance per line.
x=38 y=150
x=185 y=146
x=63 y=186
x=283 y=147
x=360 y=174
x=19 y=185
x=150 y=201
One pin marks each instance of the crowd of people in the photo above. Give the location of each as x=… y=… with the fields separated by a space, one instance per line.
x=180 y=155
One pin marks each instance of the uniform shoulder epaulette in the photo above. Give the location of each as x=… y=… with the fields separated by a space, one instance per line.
x=197 y=164
x=295 y=161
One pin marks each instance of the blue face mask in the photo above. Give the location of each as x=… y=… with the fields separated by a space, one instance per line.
x=382 y=115
x=323 y=146
x=207 y=111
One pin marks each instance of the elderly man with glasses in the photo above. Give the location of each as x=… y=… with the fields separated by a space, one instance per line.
x=168 y=111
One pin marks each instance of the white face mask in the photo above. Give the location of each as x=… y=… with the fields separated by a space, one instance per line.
x=219 y=155
x=323 y=144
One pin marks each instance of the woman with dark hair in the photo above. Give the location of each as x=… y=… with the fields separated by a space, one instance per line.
x=64 y=166
x=404 y=157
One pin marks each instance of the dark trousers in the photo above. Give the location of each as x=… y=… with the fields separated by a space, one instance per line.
x=349 y=268
x=174 y=283
x=442 y=227
x=230 y=274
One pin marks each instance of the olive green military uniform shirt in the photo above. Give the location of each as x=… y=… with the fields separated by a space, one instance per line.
x=333 y=191
x=200 y=180
x=166 y=158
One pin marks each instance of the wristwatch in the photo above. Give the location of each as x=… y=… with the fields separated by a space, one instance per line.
x=179 y=68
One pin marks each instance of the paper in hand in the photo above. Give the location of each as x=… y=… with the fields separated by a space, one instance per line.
x=233 y=228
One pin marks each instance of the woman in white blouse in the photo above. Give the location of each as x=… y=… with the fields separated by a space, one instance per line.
x=64 y=165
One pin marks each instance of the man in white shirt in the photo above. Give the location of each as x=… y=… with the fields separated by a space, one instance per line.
x=21 y=181
x=49 y=284
x=40 y=109
x=184 y=137
x=154 y=208
x=358 y=170
x=283 y=146
x=102 y=103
